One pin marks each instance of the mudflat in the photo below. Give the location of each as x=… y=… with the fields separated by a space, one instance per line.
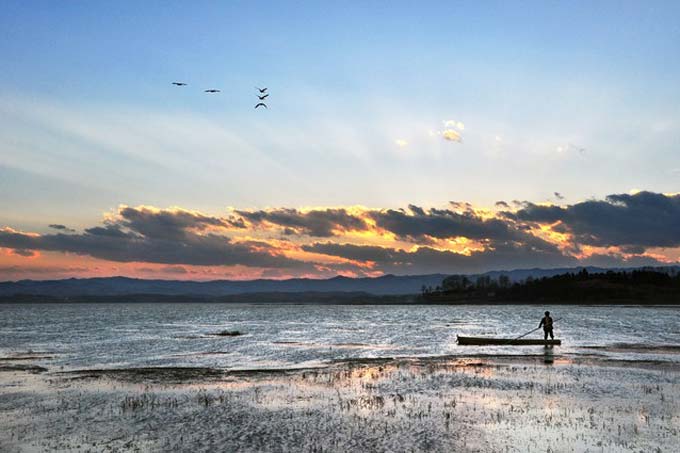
x=478 y=403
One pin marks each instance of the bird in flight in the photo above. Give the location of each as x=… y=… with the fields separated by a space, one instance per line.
x=212 y=91
x=580 y=149
x=263 y=97
x=262 y=104
x=179 y=84
x=261 y=90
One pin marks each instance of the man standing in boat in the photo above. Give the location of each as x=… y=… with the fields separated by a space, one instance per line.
x=547 y=324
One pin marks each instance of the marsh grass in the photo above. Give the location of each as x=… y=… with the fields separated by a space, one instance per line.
x=146 y=401
x=400 y=405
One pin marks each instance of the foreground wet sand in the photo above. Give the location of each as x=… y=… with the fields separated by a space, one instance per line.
x=542 y=403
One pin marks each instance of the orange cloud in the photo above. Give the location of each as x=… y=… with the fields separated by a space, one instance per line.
x=148 y=241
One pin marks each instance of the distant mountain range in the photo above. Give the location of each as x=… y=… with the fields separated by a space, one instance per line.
x=115 y=286
x=384 y=285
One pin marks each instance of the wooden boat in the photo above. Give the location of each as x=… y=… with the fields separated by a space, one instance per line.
x=486 y=341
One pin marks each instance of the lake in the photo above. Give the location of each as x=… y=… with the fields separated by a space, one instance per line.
x=290 y=336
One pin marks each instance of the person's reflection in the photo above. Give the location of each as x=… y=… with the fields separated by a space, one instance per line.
x=548 y=357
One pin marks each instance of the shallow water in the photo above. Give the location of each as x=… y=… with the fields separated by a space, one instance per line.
x=480 y=405
x=286 y=336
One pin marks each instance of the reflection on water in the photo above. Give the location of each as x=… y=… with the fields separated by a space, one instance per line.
x=413 y=404
x=548 y=355
x=120 y=335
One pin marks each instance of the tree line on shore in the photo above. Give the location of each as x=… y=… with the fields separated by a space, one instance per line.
x=646 y=284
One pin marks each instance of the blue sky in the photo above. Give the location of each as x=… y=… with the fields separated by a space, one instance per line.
x=571 y=97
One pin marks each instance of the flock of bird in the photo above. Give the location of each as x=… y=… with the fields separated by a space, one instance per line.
x=261 y=96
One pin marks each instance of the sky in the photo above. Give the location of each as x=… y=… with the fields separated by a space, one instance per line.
x=400 y=137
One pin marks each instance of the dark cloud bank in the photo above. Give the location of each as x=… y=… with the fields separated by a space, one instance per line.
x=146 y=235
x=645 y=219
x=319 y=223
x=632 y=223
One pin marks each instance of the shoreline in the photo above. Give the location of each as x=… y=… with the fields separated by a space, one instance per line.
x=370 y=300
x=138 y=373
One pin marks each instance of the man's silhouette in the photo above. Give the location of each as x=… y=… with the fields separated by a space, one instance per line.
x=547 y=324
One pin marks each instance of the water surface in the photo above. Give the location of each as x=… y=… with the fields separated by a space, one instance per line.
x=286 y=336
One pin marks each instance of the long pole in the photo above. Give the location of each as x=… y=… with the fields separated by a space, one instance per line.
x=531 y=331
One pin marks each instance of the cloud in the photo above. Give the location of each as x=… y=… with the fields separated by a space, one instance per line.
x=177 y=270
x=453 y=124
x=23 y=252
x=452 y=131
x=174 y=270
x=644 y=219
x=427 y=259
x=619 y=260
x=504 y=257
x=167 y=223
x=535 y=213
x=356 y=252
x=40 y=270
x=315 y=222
x=616 y=231
x=441 y=223
x=452 y=135
x=57 y=226
x=152 y=235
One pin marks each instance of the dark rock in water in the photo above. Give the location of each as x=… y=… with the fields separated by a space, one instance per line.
x=228 y=333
